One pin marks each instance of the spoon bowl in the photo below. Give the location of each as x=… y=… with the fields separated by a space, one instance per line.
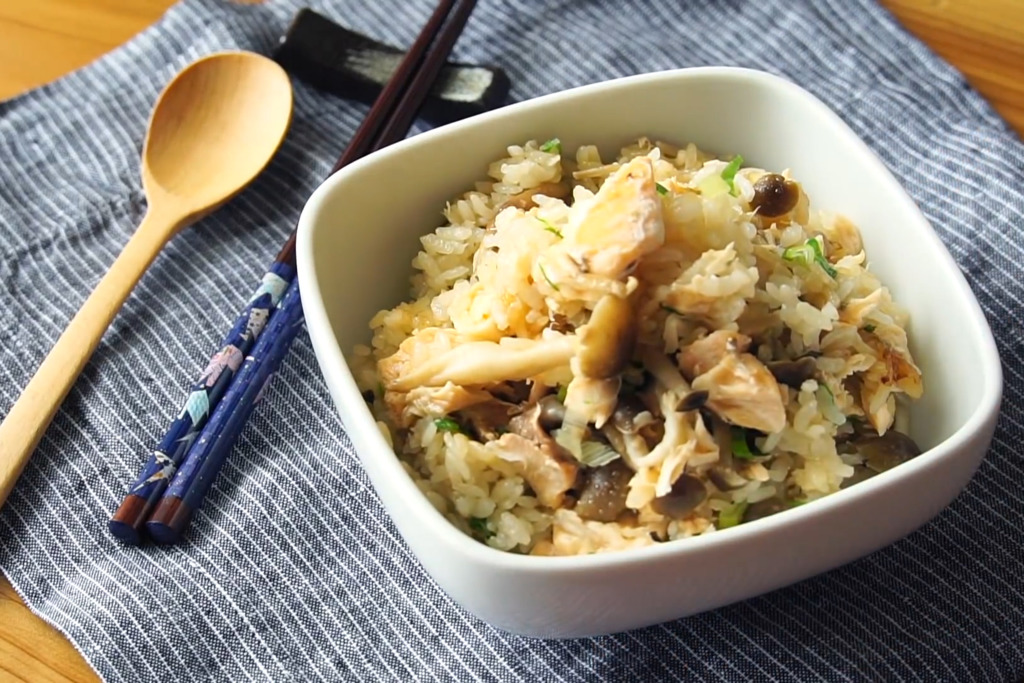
x=213 y=129
x=233 y=109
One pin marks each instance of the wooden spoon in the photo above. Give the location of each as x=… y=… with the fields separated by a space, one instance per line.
x=213 y=129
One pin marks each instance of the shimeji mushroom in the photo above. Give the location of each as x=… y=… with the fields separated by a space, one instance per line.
x=474 y=363
x=606 y=344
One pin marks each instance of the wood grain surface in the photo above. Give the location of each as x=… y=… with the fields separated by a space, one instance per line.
x=41 y=40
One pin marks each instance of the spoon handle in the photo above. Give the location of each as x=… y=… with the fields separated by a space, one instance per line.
x=28 y=418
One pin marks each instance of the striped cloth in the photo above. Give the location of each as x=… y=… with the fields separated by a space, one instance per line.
x=285 y=580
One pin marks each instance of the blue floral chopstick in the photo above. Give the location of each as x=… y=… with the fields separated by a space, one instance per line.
x=204 y=395
x=388 y=121
x=206 y=457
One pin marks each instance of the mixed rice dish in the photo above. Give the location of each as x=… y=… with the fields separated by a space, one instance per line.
x=603 y=355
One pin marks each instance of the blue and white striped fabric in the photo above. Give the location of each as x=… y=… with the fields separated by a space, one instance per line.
x=284 y=580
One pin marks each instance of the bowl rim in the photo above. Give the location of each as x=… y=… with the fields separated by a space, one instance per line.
x=331 y=355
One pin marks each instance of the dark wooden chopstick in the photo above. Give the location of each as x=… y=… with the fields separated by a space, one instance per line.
x=419 y=59
x=179 y=493
x=417 y=66
x=397 y=126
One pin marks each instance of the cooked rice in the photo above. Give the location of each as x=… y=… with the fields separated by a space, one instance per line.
x=721 y=266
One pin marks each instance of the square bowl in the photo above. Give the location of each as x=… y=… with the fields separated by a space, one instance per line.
x=360 y=230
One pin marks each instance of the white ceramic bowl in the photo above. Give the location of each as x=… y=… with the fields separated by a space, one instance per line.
x=359 y=232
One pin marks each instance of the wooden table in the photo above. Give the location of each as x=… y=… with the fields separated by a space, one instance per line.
x=44 y=39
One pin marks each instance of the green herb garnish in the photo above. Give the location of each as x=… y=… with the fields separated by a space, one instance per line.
x=807 y=253
x=820 y=259
x=552 y=145
x=743 y=447
x=549 y=226
x=545 y=274
x=446 y=424
x=563 y=391
x=869 y=328
x=729 y=173
x=480 y=526
x=797 y=502
x=662 y=190
x=827 y=401
x=732 y=515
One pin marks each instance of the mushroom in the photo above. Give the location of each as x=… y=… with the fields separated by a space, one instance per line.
x=687 y=493
x=516 y=391
x=774 y=195
x=764 y=508
x=607 y=341
x=623 y=431
x=884 y=452
x=550 y=413
x=589 y=400
x=778 y=201
x=559 y=323
x=726 y=478
x=488 y=421
x=603 y=493
x=860 y=473
x=606 y=344
x=421 y=361
x=694 y=400
x=536 y=422
x=793 y=373
x=630 y=414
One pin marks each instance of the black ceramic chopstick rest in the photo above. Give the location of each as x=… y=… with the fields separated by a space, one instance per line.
x=345 y=63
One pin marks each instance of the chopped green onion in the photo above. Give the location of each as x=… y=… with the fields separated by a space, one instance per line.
x=545 y=274
x=827 y=402
x=800 y=253
x=662 y=190
x=732 y=515
x=549 y=226
x=742 y=445
x=797 y=502
x=563 y=391
x=552 y=145
x=827 y=267
x=807 y=253
x=597 y=454
x=446 y=424
x=729 y=173
x=820 y=259
x=712 y=186
x=869 y=328
x=380 y=388
x=480 y=526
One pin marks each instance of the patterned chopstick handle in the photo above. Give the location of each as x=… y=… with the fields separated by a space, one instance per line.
x=186 y=491
x=203 y=397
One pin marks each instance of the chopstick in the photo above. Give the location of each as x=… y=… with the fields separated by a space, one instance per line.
x=176 y=478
